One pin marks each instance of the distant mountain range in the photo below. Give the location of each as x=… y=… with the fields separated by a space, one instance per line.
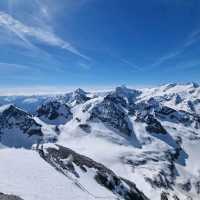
x=127 y=144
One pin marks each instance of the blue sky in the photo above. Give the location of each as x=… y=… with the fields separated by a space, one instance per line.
x=99 y=42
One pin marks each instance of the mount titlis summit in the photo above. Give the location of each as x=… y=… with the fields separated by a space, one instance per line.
x=126 y=144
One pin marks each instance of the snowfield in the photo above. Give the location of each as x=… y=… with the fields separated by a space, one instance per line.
x=25 y=174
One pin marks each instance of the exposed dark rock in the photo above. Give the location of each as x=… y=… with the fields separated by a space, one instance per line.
x=160 y=181
x=85 y=127
x=14 y=117
x=57 y=129
x=196 y=101
x=194 y=84
x=136 y=163
x=112 y=114
x=164 y=196
x=77 y=119
x=164 y=110
x=178 y=99
x=175 y=197
x=167 y=114
x=169 y=86
x=153 y=103
x=186 y=118
x=148 y=107
x=153 y=125
x=165 y=177
x=52 y=111
x=187 y=186
x=104 y=176
x=129 y=95
x=126 y=98
x=191 y=106
x=197 y=187
x=116 y=100
x=9 y=197
x=141 y=159
x=79 y=96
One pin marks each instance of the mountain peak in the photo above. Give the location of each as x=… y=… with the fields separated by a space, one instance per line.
x=5 y=107
x=80 y=91
x=127 y=93
x=193 y=84
x=12 y=108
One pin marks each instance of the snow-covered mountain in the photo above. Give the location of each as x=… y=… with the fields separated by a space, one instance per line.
x=18 y=127
x=54 y=112
x=179 y=96
x=130 y=144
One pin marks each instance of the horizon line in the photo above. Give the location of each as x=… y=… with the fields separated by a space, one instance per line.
x=56 y=90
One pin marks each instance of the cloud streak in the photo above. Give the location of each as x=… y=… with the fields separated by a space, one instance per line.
x=84 y=66
x=193 y=38
x=26 y=33
x=132 y=65
x=13 y=66
x=166 y=58
x=11 y=69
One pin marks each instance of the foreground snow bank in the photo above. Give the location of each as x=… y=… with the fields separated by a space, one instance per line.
x=25 y=174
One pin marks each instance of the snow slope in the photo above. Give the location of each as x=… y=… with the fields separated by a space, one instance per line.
x=157 y=164
x=25 y=174
x=178 y=96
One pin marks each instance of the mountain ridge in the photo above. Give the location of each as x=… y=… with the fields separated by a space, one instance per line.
x=147 y=136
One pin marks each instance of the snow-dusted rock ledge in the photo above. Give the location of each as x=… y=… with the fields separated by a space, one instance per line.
x=9 y=197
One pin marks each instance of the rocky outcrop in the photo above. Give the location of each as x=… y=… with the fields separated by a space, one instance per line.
x=85 y=127
x=157 y=111
x=153 y=125
x=13 y=117
x=187 y=186
x=20 y=129
x=9 y=197
x=164 y=196
x=66 y=161
x=183 y=117
x=79 y=96
x=129 y=95
x=112 y=114
x=54 y=112
x=197 y=187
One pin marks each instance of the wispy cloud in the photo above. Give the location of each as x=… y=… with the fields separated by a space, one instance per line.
x=26 y=33
x=186 y=65
x=193 y=38
x=43 y=8
x=84 y=66
x=34 y=90
x=13 y=66
x=166 y=58
x=16 y=70
x=131 y=65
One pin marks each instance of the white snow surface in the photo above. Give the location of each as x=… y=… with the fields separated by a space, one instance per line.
x=4 y=107
x=25 y=174
x=168 y=93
